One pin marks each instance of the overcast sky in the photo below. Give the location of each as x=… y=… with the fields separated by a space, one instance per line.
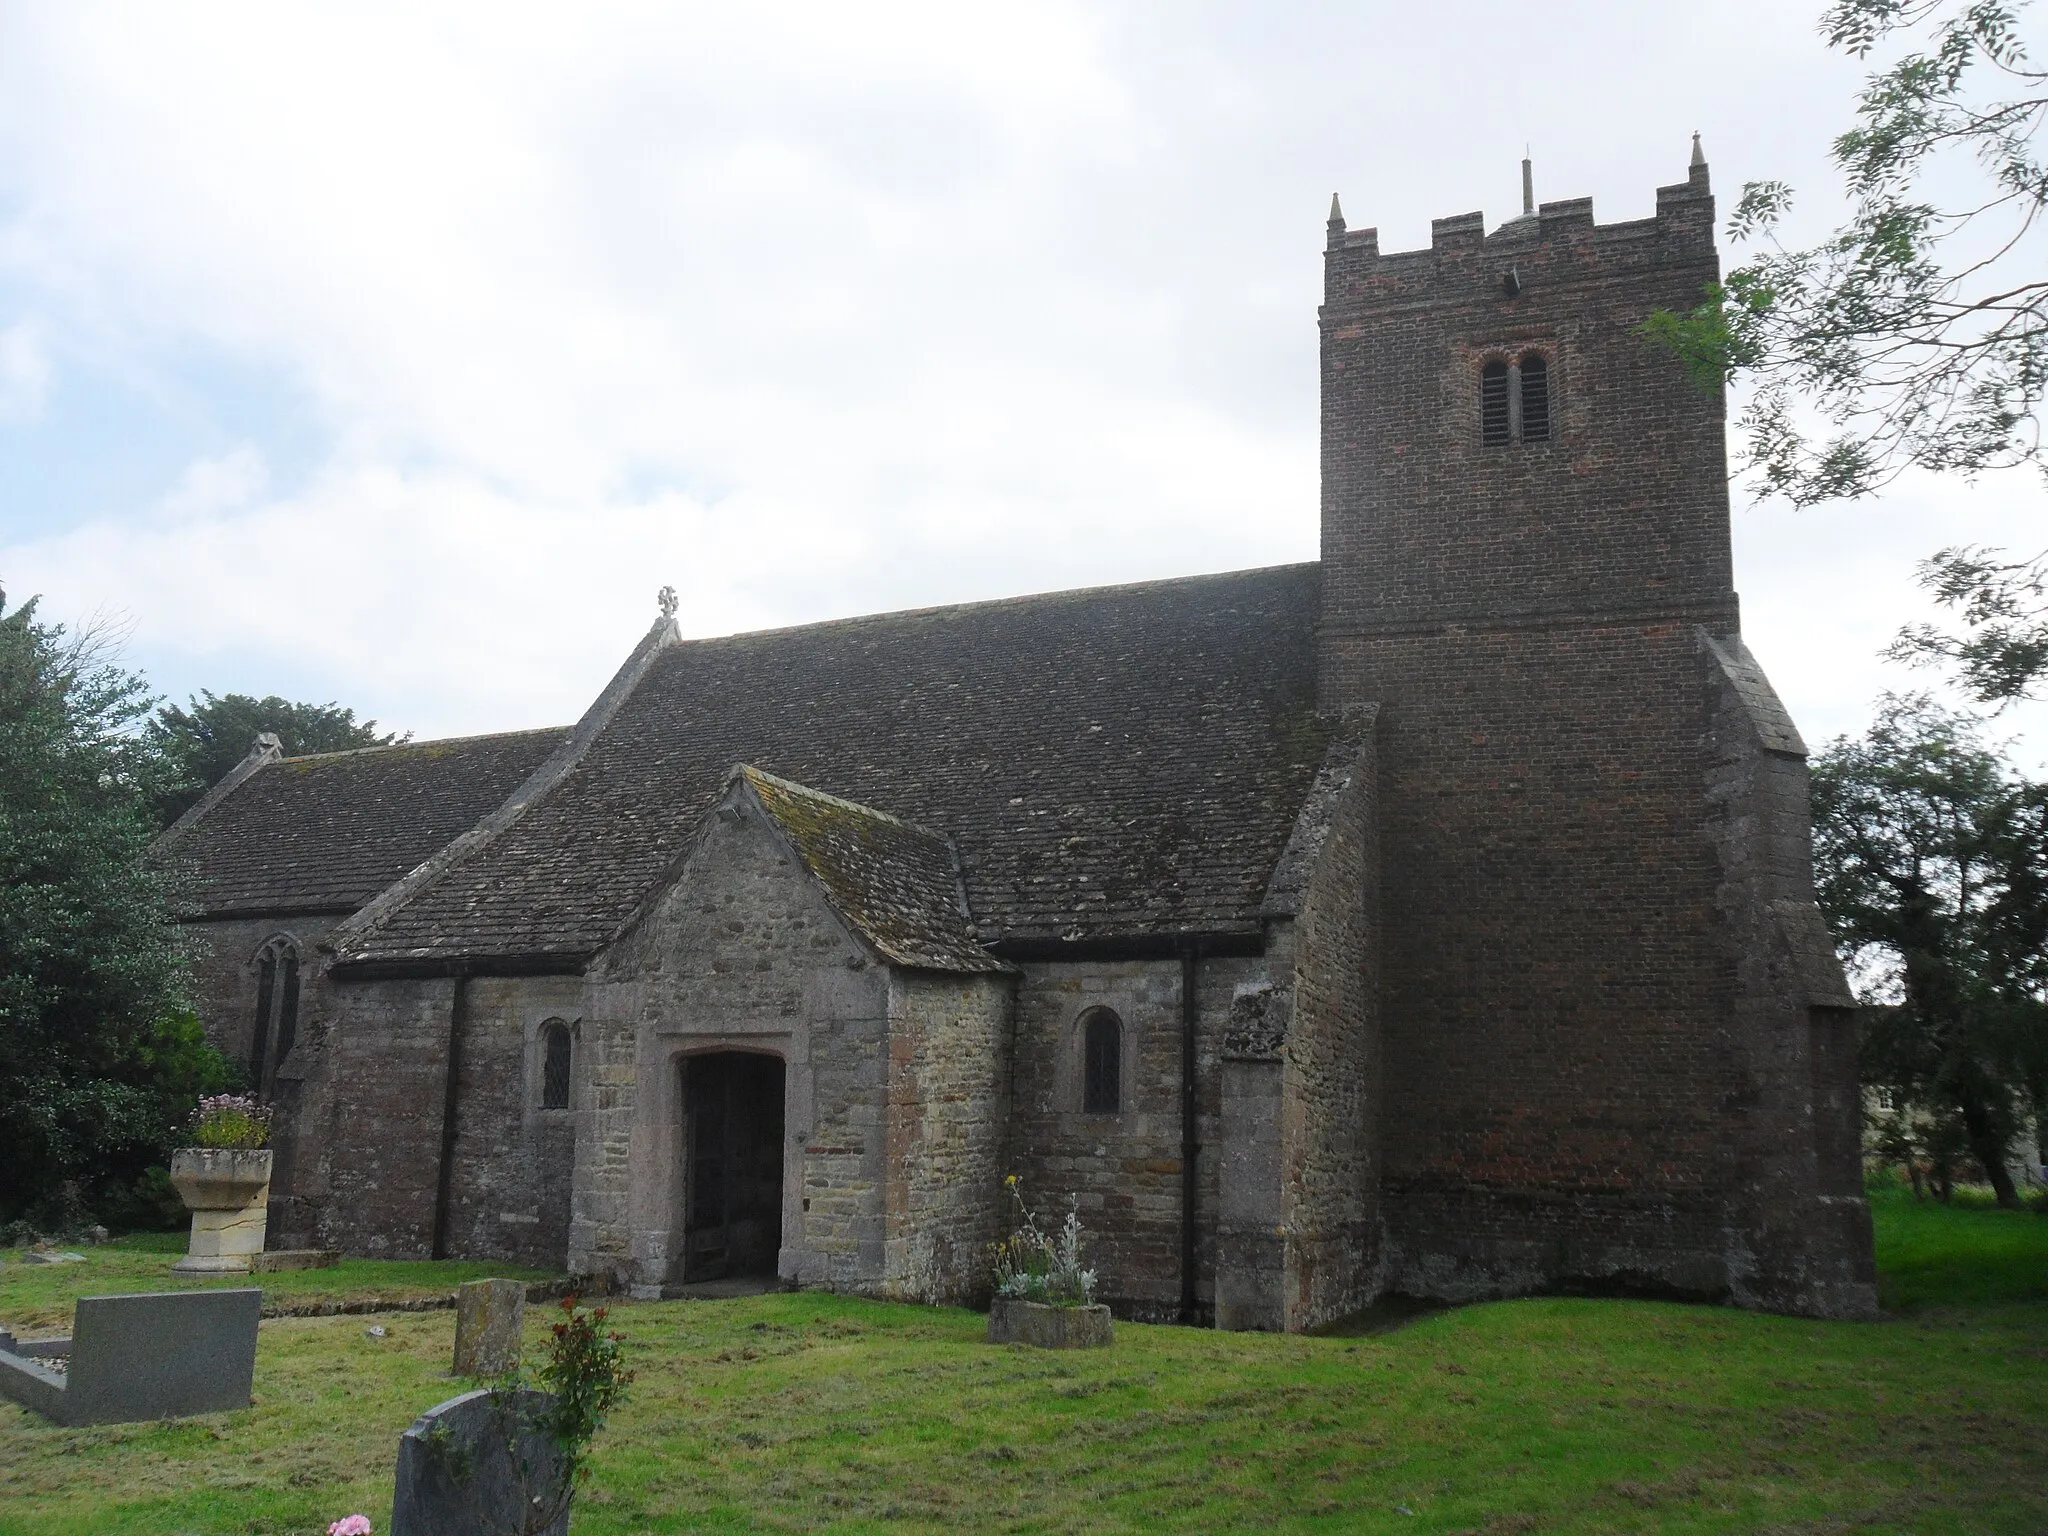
x=397 y=354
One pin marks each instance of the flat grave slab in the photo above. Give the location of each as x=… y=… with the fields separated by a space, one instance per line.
x=161 y=1355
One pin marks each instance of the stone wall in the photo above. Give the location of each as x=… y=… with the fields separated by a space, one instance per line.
x=1557 y=1108
x=380 y=1089
x=368 y=1127
x=1331 y=1090
x=509 y=1185
x=946 y=1113
x=1800 y=1227
x=1125 y=1168
x=1298 y=1232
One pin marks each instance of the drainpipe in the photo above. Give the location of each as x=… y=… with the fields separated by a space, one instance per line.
x=1190 y=1147
x=444 y=1179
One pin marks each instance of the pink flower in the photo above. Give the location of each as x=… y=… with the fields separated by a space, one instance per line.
x=352 y=1525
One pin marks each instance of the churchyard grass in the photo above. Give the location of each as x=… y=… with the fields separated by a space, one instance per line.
x=802 y=1412
x=40 y=1296
x=1969 y=1252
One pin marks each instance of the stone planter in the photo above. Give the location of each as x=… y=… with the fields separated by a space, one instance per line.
x=1011 y=1321
x=228 y=1193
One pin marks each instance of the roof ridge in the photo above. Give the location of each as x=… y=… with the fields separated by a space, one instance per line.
x=431 y=741
x=1015 y=600
x=261 y=754
x=761 y=775
x=529 y=793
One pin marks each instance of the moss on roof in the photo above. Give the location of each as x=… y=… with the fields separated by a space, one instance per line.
x=898 y=885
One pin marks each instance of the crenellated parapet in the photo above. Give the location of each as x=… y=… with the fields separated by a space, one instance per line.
x=1553 y=245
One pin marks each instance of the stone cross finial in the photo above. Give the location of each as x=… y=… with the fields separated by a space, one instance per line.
x=669 y=603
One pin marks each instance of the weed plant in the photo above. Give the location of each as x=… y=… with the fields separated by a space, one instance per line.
x=1034 y=1265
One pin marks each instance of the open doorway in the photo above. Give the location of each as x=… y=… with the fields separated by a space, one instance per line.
x=732 y=1165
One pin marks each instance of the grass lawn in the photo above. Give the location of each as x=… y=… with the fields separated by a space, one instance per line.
x=798 y=1412
x=38 y=1297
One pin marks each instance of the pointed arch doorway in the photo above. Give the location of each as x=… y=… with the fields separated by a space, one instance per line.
x=732 y=1164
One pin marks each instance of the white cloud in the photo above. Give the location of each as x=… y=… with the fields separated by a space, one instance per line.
x=807 y=308
x=24 y=373
x=215 y=485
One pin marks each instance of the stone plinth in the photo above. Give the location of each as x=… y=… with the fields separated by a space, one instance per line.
x=228 y=1192
x=489 y=1315
x=1011 y=1321
x=475 y=1465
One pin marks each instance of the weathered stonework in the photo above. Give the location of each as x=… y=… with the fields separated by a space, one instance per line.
x=1451 y=898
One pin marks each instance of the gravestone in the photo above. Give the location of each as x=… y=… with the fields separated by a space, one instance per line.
x=476 y=1466
x=129 y=1358
x=489 y=1315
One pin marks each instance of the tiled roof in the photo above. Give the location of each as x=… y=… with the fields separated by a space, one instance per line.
x=1115 y=762
x=898 y=885
x=328 y=832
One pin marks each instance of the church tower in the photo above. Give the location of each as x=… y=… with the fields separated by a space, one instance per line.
x=1618 y=1048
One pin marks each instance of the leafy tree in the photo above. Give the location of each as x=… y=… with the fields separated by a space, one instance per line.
x=203 y=743
x=1919 y=332
x=1916 y=334
x=2002 y=654
x=1932 y=859
x=100 y=1059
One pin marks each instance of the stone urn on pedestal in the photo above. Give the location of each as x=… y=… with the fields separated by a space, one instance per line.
x=225 y=1183
x=227 y=1189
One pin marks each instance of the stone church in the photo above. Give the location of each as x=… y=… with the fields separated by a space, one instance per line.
x=1435 y=918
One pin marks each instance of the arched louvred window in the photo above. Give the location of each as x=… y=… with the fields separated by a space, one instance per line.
x=1494 y=428
x=554 y=1065
x=1535 y=372
x=1102 y=1063
x=277 y=1010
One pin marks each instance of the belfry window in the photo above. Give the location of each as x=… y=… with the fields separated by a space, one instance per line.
x=277 y=1010
x=1494 y=430
x=1535 y=398
x=554 y=1065
x=1514 y=401
x=1102 y=1062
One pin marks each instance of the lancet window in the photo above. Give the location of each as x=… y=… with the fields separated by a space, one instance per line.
x=1102 y=1062
x=554 y=1065
x=277 y=1010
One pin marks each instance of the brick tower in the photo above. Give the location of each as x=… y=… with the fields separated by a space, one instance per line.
x=1618 y=1049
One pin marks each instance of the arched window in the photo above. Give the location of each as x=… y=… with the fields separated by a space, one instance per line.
x=1102 y=1062
x=1535 y=392
x=1514 y=401
x=1494 y=429
x=277 y=1010
x=554 y=1065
